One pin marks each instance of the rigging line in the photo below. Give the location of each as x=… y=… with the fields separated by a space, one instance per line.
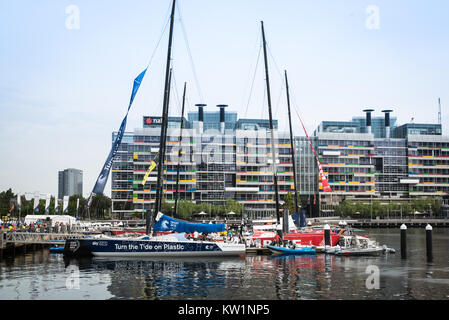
x=198 y=87
x=275 y=64
x=175 y=87
x=160 y=37
x=252 y=83
x=280 y=77
x=263 y=102
x=292 y=95
x=258 y=44
x=303 y=126
x=293 y=98
x=278 y=102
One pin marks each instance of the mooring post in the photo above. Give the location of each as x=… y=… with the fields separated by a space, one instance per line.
x=429 y=242
x=1 y=244
x=327 y=235
x=403 y=241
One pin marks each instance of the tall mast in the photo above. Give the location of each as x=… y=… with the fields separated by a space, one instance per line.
x=292 y=142
x=165 y=138
x=179 y=154
x=273 y=150
x=164 y=117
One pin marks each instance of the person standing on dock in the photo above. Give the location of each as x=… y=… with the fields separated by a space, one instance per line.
x=277 y=239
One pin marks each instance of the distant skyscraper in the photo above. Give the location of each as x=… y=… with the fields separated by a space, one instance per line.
x=70 y=182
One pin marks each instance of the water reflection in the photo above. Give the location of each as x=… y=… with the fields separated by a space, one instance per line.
x=40 y=275
x=187 y=278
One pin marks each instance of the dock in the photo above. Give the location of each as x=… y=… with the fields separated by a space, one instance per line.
x=258 y=251
x=10 y=242
x=396 y=223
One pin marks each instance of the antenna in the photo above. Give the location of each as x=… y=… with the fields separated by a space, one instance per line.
x=439 y=111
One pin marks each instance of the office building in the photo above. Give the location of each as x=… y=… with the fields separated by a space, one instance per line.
x=362 y=163
x=70 y=182
x=222 y=157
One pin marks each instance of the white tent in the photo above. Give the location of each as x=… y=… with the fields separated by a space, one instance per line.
x=202 y=213
x=33 y=218
x=232 y=212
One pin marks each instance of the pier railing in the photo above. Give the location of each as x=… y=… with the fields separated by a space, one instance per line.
x=37 y=238
x=379 y=223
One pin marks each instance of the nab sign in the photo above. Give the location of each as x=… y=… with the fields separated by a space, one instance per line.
x=152 y=121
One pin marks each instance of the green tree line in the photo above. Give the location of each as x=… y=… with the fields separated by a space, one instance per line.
x=289 y=202
x=98 y=209
x=188 y=209
x=377 y=209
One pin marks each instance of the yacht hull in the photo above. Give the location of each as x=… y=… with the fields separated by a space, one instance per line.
x=149 y=248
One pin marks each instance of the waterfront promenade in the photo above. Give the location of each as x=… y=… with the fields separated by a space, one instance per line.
x=396 y=223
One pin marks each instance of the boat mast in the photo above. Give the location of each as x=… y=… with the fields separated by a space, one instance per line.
x=273 y=150
x=165 y=139
x=179 y=153
x=164 y=118
x=292 y=142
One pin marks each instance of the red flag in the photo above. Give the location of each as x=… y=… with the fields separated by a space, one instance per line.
x=322 y=176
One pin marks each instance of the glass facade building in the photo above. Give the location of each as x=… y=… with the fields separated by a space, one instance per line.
x=236 y=163
x=417 y=129
x=70 y=182
x=306 y=166
x=358 y=125
x=214 y=165
x=395 y=162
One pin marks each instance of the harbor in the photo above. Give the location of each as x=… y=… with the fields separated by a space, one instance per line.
x=314 y=165
x=319 y=277
x=17 y=242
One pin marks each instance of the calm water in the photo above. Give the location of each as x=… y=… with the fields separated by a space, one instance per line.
x=43 y=276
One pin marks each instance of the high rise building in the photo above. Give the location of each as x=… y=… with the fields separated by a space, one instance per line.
x=70 y=182
x=221 y=158
x=224 y=157
x=400 y=163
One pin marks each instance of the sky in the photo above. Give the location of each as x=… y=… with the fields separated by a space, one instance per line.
x=67 y=69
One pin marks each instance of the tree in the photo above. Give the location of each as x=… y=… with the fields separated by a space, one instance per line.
x=345 y=208
x=5 y=201
x=100 y=203
x=166 y=208
x=378 y=208
x=289 y=203
x=71 y=208
x=235 y=206
x=185 y=209
x=406 y=208
x=363 y=208
x=435 y=204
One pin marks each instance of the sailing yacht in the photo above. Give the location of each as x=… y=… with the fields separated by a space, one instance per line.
x=175 y=244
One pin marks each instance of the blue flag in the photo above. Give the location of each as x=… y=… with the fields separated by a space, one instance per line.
x=104 y=174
